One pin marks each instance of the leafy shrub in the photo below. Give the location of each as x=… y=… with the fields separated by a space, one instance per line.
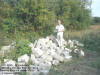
x=9 y=25
x=32 y=36
x=40 y=16
x=22 y=48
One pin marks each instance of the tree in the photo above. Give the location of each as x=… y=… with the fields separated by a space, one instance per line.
x=41 y=15
x=73 y=14
x=96 y=21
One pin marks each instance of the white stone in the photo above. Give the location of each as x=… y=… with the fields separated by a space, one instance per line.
x=57 y=57
x=6 y=48
x=35 y=43
x=44 y=56
x=76 y=51
x=68 y=57
x=82 y=53
x=49 y=63
x=65 y=53
x=20 y=63
x=49 y=58
x=9 y=62
x=68 y=50
x=71 y=43
x=44 y=66
x=24 y=58
x=76 y=42
x=5 y=60
x=36 y=62
x=13 y=44
x=55 y=62
x=37 y=52
x=33 y=58
x=64 y=42
x=31 y=45
x=59 y=52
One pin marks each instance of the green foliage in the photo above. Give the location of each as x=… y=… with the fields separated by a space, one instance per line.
x=9 y=55
x=9 y=24
x=32 y=36
x=75 y=15
x=22 y=48
x=40 y=16
x=92 y=41
x=22 y=73
x=96 y=21
x=95 y=64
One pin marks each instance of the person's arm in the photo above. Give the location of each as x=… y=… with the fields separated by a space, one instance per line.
x=56 y=29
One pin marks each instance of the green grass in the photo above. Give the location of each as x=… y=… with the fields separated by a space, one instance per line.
x=3 y=39
x=95 y=64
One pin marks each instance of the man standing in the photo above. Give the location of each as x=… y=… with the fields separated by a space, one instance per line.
x=60 y=30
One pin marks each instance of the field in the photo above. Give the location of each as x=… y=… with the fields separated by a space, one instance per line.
x=88 y=65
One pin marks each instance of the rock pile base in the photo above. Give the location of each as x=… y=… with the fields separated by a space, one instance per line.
x=45 y=53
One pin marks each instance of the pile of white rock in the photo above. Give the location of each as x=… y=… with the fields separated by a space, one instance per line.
x=45 y=53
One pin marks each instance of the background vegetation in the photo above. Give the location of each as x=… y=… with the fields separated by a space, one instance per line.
x=96 y=21
x=40 y=16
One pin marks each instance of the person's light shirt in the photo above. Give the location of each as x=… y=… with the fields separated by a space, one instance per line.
x=60 y=28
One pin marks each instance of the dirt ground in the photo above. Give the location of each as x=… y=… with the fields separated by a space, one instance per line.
x=78 y=66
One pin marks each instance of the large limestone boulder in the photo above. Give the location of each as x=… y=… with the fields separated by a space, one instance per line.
x=34 y=59
x=37 y=52
x=6 y=48
x=70 y=43
x=55 y=62
x=24 y=58
x=64 y=42
x=76 y=51
x=49 y=58
x=57 y=57
x=54 y=40
x=79 y=52
x=44 y=68
x=68 y=50
x=82 y=53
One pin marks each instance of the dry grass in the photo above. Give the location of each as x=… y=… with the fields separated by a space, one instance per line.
x=79 y=34
x=95 y=27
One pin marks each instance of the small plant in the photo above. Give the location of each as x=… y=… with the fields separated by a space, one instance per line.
x=22 y=48
x=32 y=36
